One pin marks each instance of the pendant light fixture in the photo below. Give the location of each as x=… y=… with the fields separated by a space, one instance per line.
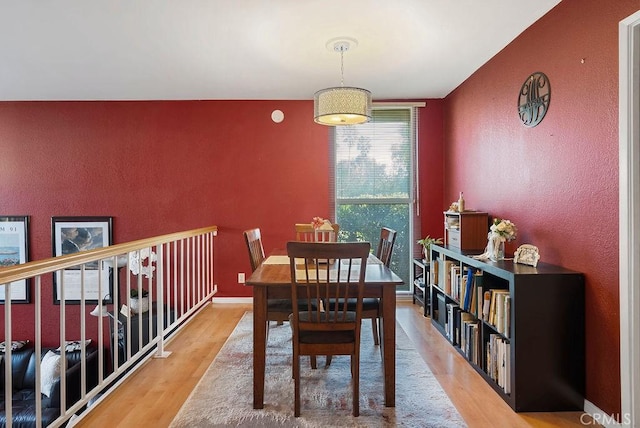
x=341 y=105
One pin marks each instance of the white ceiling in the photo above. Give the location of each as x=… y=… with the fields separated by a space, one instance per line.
x=248 y=49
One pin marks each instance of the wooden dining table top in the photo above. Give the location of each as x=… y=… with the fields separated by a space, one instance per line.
x=275 y=271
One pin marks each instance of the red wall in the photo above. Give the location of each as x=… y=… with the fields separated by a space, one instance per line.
x=430 y=168
x=161 y=167
x=558 y=181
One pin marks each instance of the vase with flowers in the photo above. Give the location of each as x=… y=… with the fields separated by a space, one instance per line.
x=141 y=263
x=323 y=230
x=501 y=231
x=139 y=301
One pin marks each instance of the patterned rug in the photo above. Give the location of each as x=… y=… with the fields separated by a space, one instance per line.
x=224 y=395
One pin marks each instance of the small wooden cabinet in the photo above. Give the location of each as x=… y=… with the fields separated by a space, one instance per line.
x=466 y=231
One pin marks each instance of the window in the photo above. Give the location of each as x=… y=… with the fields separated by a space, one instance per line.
x=373 y=182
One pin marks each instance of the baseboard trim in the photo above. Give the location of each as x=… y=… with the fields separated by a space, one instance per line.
x=400 y=297
x=232 y=300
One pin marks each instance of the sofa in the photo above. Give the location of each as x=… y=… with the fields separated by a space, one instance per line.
x=24 y=381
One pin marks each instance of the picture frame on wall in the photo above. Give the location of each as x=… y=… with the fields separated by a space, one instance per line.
x=14 y=250
x=71 y=235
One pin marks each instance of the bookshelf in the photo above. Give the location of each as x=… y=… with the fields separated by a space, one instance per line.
x=421 y=284
x=528 y=340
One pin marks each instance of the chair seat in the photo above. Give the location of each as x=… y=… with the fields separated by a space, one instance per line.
x=306 y=316
x=368 y=304
x=324 y=337
x=285 y=305
x=279 y=305
x=327 y=337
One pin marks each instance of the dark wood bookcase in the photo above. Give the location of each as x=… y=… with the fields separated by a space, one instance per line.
x=546 y=334
x=421 y=284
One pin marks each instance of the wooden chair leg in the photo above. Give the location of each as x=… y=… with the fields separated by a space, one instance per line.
x=314 y=363
x=355 y=362
x=374 y=328
x=328 y=361
x=296 y=387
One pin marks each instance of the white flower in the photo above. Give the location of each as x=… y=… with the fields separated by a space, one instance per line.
x=136 y=260
x=503 y=229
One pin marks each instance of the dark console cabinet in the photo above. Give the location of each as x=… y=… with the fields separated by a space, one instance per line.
x=539 y=332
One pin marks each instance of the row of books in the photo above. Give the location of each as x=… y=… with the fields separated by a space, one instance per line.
x=462 y=329
x=499 y=361
x=461 y=283
x=499 y=310
x=465 y=285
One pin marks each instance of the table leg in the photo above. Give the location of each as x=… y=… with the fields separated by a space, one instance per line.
x=259 y=344
x=388 y=343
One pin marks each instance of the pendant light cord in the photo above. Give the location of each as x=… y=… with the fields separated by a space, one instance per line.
x=341 y=66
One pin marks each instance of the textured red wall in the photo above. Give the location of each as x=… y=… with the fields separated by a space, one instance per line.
x=161 y=167
x=430 y=166
x=558 y=181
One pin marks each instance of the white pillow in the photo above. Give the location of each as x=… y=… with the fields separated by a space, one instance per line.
x=49 y=372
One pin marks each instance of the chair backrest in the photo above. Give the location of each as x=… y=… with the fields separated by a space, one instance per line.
x=385 y=247
x=306 y=233
x=254 y=244
x=321 y=271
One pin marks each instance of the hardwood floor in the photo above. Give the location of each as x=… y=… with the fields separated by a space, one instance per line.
x=153 y=396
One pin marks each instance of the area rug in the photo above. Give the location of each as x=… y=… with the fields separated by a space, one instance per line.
x=224 y=395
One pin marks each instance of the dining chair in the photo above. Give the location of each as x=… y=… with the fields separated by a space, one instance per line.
x=278 y=310
x=306 y=233
x=329 y=270
x=371 y=305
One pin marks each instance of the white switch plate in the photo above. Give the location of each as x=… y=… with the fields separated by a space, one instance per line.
x=241 y=278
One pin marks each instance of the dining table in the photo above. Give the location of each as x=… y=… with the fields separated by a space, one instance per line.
x=272 y=280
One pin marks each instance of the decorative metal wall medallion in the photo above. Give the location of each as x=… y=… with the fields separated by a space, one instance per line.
x=534 y=99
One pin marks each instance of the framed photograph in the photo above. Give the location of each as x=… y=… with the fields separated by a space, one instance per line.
x=14 y=250
x=73 y=234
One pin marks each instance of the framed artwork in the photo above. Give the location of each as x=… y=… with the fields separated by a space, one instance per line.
x=74 y=234
x=14 y=250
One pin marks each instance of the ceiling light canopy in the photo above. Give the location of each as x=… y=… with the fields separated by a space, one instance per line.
x=342 y=105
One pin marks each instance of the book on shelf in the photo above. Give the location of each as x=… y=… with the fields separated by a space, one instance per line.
x=478 y=303
x=453 y=318
x=468 y=294
x=433 y=272
x=470 y=338
x=486 y=304
x=454 y=274
x=496 y=308
x=465 y=319
x=498 y=361
x=445 y=276
x=507 y=316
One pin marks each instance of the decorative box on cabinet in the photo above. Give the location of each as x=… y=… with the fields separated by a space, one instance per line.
x=544 y=334
x=466 y=231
